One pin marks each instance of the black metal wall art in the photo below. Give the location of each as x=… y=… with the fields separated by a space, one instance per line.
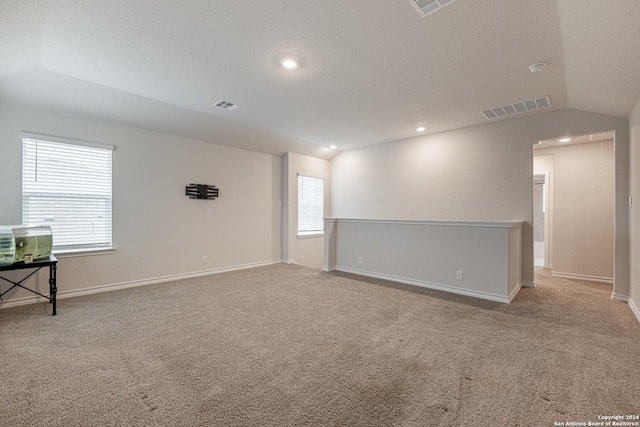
x=202 y=191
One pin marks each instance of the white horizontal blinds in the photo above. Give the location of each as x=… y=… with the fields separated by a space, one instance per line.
x=310 y=205
x=68 y=187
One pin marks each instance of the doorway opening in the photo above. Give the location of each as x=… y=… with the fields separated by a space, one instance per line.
x=574 y=206
x=540 y=218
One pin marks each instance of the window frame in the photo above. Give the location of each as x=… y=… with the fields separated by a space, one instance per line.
x=310 y=232
x=78 y=247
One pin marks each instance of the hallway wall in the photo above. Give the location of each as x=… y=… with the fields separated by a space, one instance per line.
x=583 y=213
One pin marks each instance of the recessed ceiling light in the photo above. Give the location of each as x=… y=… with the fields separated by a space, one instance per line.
x=565 y=140
x=333 y=147
x=289 y=62
x=420 y=128
x=538 y=66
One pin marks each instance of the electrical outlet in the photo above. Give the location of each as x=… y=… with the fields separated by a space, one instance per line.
x=359 y=260
x=204 y=260
x=459 y=275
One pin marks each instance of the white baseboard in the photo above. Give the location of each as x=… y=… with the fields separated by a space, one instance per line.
x=513 y=293
x=528 y=284
x=436 y=286
x=618 y=297
x=634 y=308
x=329 y=268
x=608 y=280
x=134 y=284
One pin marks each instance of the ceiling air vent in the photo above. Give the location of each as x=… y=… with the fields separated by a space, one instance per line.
x=427 y=7
x=517 y=108
x=225 y=105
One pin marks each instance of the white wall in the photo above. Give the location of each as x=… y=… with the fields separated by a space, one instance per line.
x=481 y=173
x=583 y=214
x=157 y=230
x=634 y=294
x=306 y=250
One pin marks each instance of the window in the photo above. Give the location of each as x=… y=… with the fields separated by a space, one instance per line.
x=310 y=205
x=67 y=185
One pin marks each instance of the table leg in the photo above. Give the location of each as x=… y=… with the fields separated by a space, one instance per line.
x=53 y=290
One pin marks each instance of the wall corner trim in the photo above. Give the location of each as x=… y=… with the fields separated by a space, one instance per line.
x=634 y=308
x=513 y=293
x=618 y=297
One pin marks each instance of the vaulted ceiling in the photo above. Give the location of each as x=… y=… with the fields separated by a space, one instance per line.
x=372 y=71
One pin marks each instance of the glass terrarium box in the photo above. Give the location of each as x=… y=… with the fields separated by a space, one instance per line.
x=24 y=243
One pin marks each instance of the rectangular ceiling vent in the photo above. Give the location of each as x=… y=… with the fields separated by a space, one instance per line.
x=427 y=7
x=517 y=108
x=225 y=105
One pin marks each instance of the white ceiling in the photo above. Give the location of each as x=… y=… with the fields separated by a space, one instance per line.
x=374 y=70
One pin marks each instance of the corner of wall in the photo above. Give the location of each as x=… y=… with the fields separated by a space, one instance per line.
x=634 y=308
x=634 y=209
x=285 y=208
x=307 y=251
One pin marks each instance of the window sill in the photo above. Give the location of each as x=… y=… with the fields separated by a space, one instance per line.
x=73 y=253
x=311 y=235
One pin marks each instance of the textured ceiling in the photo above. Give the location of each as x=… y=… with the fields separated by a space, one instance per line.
x=372 y=72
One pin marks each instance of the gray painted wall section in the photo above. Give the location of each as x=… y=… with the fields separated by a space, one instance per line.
x=431 y=254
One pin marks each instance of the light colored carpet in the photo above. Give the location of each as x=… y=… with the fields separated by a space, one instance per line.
x=286 y=345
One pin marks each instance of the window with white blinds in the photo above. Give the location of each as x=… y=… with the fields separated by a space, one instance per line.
x=67 y=186
x=310 y=205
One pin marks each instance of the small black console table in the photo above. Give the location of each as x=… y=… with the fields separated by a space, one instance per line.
x=52 y=263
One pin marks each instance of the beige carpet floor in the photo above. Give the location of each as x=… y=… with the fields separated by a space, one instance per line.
x=285 y=345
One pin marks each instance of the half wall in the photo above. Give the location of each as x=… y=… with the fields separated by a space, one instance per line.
x=479 y=259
